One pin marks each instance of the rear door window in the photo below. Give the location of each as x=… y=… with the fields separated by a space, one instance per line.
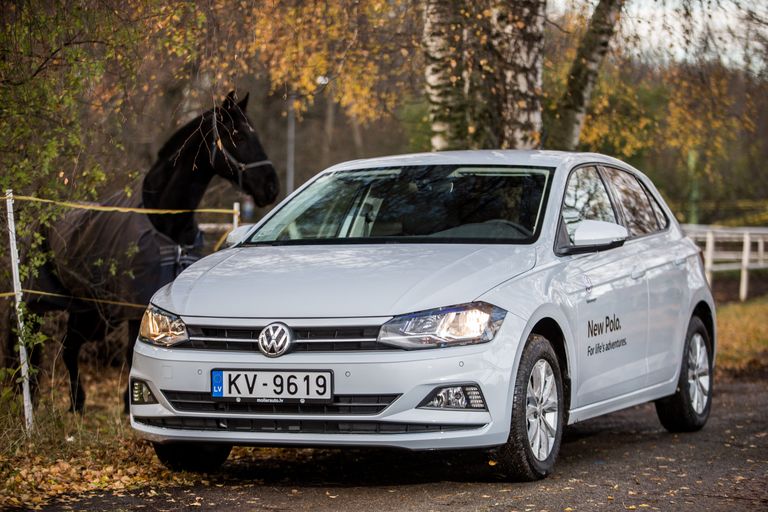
x=637 y=209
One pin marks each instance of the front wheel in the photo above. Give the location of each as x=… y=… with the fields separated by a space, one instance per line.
x=537 y=414
x=688 y=409
x=197 y=457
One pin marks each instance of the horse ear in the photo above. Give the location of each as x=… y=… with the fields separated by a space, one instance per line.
x=230 y=101
x=244 y=103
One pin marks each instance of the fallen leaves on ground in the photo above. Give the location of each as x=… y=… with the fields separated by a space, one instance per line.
x=69 y=454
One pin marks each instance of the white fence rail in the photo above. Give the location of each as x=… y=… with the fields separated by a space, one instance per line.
x=729 y=249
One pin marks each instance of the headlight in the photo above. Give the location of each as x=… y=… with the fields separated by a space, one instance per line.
x=465 y=324
x=162 y=328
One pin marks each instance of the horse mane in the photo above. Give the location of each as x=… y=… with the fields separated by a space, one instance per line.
x=180 y=137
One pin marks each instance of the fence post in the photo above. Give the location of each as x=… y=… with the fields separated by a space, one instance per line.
x=28 y=419
x=235 y=215
x=745 y=256
x=709 y=255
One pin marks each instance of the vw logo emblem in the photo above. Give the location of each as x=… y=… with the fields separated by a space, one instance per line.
x=275 y=339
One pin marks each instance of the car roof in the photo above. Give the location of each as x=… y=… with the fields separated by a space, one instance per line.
x=535 y=158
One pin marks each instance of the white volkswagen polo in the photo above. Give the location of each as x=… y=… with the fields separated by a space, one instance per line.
x=474 y=299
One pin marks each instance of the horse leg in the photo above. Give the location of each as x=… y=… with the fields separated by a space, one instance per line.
x=81 y=327
x=133 y=333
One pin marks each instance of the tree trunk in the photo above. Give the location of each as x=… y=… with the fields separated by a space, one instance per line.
x=572 y=106
x=442 y=38
x=330 y=118
x=357 y=136
x=517 y=39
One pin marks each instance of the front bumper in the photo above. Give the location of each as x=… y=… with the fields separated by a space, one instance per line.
x=412 y=375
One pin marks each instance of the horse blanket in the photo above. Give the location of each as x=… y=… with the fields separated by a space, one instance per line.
x=113 y=256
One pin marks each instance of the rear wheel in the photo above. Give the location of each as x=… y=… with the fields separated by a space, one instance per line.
x=198 y=457
x=537 y=414
x=688 y=409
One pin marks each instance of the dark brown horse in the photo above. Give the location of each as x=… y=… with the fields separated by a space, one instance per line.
x=113 y=261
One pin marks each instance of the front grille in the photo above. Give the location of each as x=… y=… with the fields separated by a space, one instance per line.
x=342 y=404
x=300 y=426
x=307 y=339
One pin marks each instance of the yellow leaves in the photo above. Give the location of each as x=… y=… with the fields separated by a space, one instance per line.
x=699 y=119
x=350 y=42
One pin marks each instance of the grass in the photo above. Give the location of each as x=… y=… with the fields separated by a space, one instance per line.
x=743 y=335
x=69 y=455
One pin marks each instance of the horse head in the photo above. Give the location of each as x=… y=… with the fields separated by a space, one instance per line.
x=236 y=153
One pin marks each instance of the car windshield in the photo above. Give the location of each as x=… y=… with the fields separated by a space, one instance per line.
x=427 y=204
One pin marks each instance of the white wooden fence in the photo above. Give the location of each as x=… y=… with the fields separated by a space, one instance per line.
x=729 y=249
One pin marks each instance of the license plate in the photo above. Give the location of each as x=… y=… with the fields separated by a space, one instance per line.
x=267 y=386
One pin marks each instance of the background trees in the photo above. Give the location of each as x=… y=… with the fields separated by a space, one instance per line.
x=89 y=90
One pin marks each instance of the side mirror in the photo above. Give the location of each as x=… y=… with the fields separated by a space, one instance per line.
x=236 y=235
x=596 y=235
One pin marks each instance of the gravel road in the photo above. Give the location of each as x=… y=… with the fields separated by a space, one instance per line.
x=623 y=461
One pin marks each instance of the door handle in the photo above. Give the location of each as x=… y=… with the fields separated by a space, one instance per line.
x=638 y=273
x=680 y=261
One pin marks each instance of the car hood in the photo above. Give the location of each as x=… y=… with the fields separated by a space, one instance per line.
x=316 y=281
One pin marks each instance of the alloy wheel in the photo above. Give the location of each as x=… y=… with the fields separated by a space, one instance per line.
x=698 y=373
x=541 y=410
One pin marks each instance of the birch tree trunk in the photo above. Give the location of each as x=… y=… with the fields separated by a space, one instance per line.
x=517 y=40
x=442 y=38
x=572 y=106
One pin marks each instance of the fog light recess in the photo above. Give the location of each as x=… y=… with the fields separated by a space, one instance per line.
x=141 y=394
x=455 y=397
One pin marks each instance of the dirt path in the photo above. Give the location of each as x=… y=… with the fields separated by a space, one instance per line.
x=623 y=461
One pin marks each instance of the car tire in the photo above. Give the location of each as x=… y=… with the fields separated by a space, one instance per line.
x=197 y=457
x=531 y=450
x=688 y=409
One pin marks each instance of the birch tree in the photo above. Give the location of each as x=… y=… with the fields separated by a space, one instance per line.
x=484 y=71
x=443 y=45
x=517 y=37
x=572 y=105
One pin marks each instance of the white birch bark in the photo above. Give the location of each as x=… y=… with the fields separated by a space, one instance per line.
x=517 y=38
x=442 y=40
